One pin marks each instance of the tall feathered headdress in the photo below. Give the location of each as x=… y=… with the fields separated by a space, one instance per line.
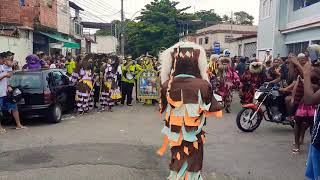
x=183 y=58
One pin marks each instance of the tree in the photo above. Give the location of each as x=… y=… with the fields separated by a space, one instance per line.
x=157 y=26
x=243 y=18
x=208 y=16
x=226 y=19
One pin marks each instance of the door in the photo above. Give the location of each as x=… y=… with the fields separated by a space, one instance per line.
x=63 y=90
x=59 y=88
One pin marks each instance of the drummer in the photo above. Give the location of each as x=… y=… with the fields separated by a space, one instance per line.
x=129 y=71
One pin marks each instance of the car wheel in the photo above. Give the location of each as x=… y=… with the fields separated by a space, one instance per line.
x=55 y=114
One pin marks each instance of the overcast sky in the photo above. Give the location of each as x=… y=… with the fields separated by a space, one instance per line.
x=107 y=10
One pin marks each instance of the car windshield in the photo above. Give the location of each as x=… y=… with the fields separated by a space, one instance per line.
x=26 y=81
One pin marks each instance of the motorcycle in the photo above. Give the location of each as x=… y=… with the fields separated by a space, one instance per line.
x=270 y=105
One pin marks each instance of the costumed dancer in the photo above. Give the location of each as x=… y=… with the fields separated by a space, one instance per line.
x=77 y=73
x=84 y=93
x=186 y=101
x=109 y=80
x=251 y=80
x=212 y=70
x=227 y=79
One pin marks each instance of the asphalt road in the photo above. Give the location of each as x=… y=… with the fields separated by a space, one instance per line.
x=122 y=145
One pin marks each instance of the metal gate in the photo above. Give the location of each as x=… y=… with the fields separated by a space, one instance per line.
x=250 y=49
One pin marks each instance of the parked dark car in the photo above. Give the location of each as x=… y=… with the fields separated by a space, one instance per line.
x=45 y=93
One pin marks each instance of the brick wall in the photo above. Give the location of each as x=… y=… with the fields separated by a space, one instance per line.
x=12 y=13
x=9 y=11
x=48 y=15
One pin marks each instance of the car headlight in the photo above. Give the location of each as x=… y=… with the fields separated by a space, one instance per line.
x=257 y=95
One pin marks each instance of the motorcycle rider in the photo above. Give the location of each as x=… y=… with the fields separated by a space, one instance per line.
x=251 y=80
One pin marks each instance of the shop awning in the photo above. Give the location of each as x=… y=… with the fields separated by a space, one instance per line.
x=66 y=43
x=71 y=45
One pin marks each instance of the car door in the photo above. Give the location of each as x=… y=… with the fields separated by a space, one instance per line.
x=59 y=89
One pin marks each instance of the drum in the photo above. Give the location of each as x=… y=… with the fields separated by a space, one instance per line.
x=129 y=76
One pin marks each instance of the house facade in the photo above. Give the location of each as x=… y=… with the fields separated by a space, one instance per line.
x=288 y=26
x=28 y=26
x=223 y=34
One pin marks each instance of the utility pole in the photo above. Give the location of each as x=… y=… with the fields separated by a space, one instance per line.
x=122 y=30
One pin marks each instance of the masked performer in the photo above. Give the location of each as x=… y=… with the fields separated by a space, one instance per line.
x=227 y=80
x=186 y=102
x=84 y=93
x=251 y=80
x=108 y=86
x=212 y=70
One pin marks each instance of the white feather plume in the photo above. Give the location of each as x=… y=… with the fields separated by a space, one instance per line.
x=166 y=60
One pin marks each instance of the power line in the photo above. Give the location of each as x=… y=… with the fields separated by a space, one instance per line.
x=97 y=5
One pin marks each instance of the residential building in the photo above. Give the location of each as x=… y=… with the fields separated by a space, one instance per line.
x=63 y=16
x=247 y=45
x=288 y=26
x=224 y=34
x=76 y=29
x=18 y=19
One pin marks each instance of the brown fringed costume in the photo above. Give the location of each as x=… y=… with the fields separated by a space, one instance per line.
x=186 y=102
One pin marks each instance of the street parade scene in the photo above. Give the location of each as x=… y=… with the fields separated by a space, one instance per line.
x=182 y=90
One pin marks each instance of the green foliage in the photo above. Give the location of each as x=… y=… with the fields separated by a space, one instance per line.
x=243 y=18
x=208 y=16
x=161 y=22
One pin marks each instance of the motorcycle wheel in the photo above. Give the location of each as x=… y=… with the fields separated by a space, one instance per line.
x=243 y=120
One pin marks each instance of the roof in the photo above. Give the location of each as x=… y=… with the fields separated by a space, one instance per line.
x=96 y=25
x=75 y=6
x=228 y=28
x=246 y=37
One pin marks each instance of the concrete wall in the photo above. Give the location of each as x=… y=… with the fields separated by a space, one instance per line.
x=106 y=44
x=303 y=13
x=63 y=14
x=22 y=47
x=219 y=37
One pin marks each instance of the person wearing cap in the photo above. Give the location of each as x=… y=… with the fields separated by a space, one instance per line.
x=268 y=57
x=129 y=71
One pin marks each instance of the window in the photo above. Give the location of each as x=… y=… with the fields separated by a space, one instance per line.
x=297 y=48
x=78 y=29
x=57 y=78
x=299 y=4
x=228 y=38
x=22 y=2
x=26 y=81
x=266 y=8
x=200 y=40
x=49 y=3
x=316 y=42
x=206 y=40
x=240 y=50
